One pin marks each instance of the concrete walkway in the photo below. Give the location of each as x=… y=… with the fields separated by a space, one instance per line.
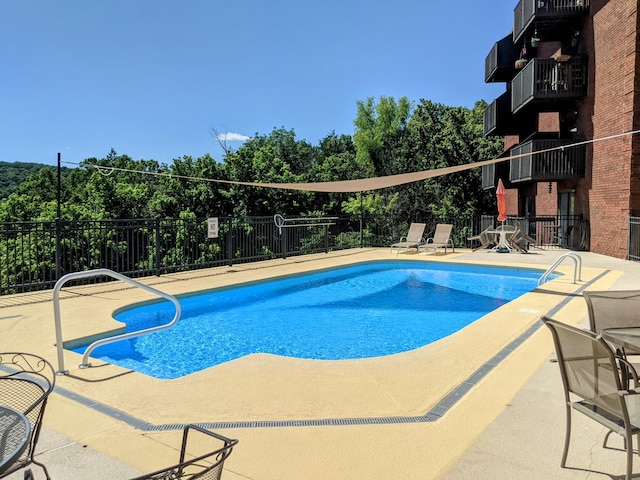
x=509 y=424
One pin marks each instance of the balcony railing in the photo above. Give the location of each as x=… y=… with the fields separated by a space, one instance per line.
x=491 y=173
x=545 y=81
x=499 y=66
x=551 y=18
x=546 y=166
x=489 y=176
x=500 y=121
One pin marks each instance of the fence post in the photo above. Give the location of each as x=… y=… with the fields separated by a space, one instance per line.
x=326 y=239
x=229 y=241
x=157 y=247
x=283 y=242
x=58 y=244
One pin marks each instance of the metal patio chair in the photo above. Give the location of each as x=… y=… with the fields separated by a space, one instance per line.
x=613 y=308
x=593 y=385
x=485 y=237
x=194 y=464
x=521 y=241
x=26 y=380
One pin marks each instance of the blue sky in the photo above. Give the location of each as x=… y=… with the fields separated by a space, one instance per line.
x=153 y=78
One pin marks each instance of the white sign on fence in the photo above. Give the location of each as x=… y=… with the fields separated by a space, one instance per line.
x=212 y=228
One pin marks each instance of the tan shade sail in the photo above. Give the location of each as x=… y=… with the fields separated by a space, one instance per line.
x=365 y=184
x=376 y=183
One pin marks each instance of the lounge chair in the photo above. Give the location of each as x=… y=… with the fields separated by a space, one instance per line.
x=592 y=378
x=413 y=239
x=485 y=238
x=441 y=239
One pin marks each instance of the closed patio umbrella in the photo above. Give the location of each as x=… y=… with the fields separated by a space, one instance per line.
x=502 y=201
x=502 y=216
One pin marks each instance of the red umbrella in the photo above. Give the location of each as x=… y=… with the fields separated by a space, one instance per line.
x=502 y=201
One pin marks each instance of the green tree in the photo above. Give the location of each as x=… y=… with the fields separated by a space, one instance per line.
x=379 y=129
x=274 y=158
x=440 y=136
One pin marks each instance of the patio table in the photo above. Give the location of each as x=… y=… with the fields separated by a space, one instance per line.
x=502 y=233
x=14 y=436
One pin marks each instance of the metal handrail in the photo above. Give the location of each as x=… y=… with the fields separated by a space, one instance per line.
x=282 y=222
x=577 y=269
x=104 y=341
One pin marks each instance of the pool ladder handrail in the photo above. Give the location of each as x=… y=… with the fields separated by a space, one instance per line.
x=577 y=269
x=104 y=341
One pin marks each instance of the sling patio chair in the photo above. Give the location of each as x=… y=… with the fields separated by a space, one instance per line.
x=441 y=239
x=486 y=239
x=26 y=381
x=593 y=384
x=520 y=241
x=206 y=463
x=611 y=309
x=413 y=239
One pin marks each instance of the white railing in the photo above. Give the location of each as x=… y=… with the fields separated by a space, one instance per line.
x=282 y=222
x=577 y=269
x=104 y=341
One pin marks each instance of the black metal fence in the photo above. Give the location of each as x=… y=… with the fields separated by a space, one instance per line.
x=34 y=255
x=559 y=231
x=634 y=239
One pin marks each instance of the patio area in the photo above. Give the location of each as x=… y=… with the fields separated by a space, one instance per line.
x=317 y=419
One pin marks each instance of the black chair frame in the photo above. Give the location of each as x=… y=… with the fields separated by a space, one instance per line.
x=26 y=381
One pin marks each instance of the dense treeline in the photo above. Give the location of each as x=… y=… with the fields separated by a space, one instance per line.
x=13 y=174
x=391 y=137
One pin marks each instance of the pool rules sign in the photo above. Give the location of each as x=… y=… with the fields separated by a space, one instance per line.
x=212 y=227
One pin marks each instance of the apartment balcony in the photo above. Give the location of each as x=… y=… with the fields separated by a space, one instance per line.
x=500 y=121
x=499 y=66
x=551 y=18
x=491 y=174
x=549 y=165
x=545 y=82
x=488 y=176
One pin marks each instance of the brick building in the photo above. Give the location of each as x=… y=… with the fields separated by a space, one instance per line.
x=572 y=74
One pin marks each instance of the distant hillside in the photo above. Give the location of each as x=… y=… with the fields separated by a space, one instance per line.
x=13 y=174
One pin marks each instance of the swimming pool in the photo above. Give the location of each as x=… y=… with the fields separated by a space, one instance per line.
x=365 y=310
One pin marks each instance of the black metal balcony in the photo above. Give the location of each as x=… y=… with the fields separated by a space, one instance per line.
x=491 y=173
x=500 y=121
x=489 y=176
x=499 y=66
x=548 y=165
x=551 y=18
x=544 y=82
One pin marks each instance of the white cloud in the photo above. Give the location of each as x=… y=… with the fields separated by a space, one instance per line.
x=232 y=137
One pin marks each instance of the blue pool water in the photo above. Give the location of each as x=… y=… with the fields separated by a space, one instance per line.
x=366 y=310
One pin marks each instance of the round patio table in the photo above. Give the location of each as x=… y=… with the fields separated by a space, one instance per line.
x=14 y=436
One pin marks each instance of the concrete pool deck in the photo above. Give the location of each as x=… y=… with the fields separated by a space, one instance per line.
x=299 y=419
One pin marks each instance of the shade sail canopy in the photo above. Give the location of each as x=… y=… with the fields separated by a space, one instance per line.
x=365 y=184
